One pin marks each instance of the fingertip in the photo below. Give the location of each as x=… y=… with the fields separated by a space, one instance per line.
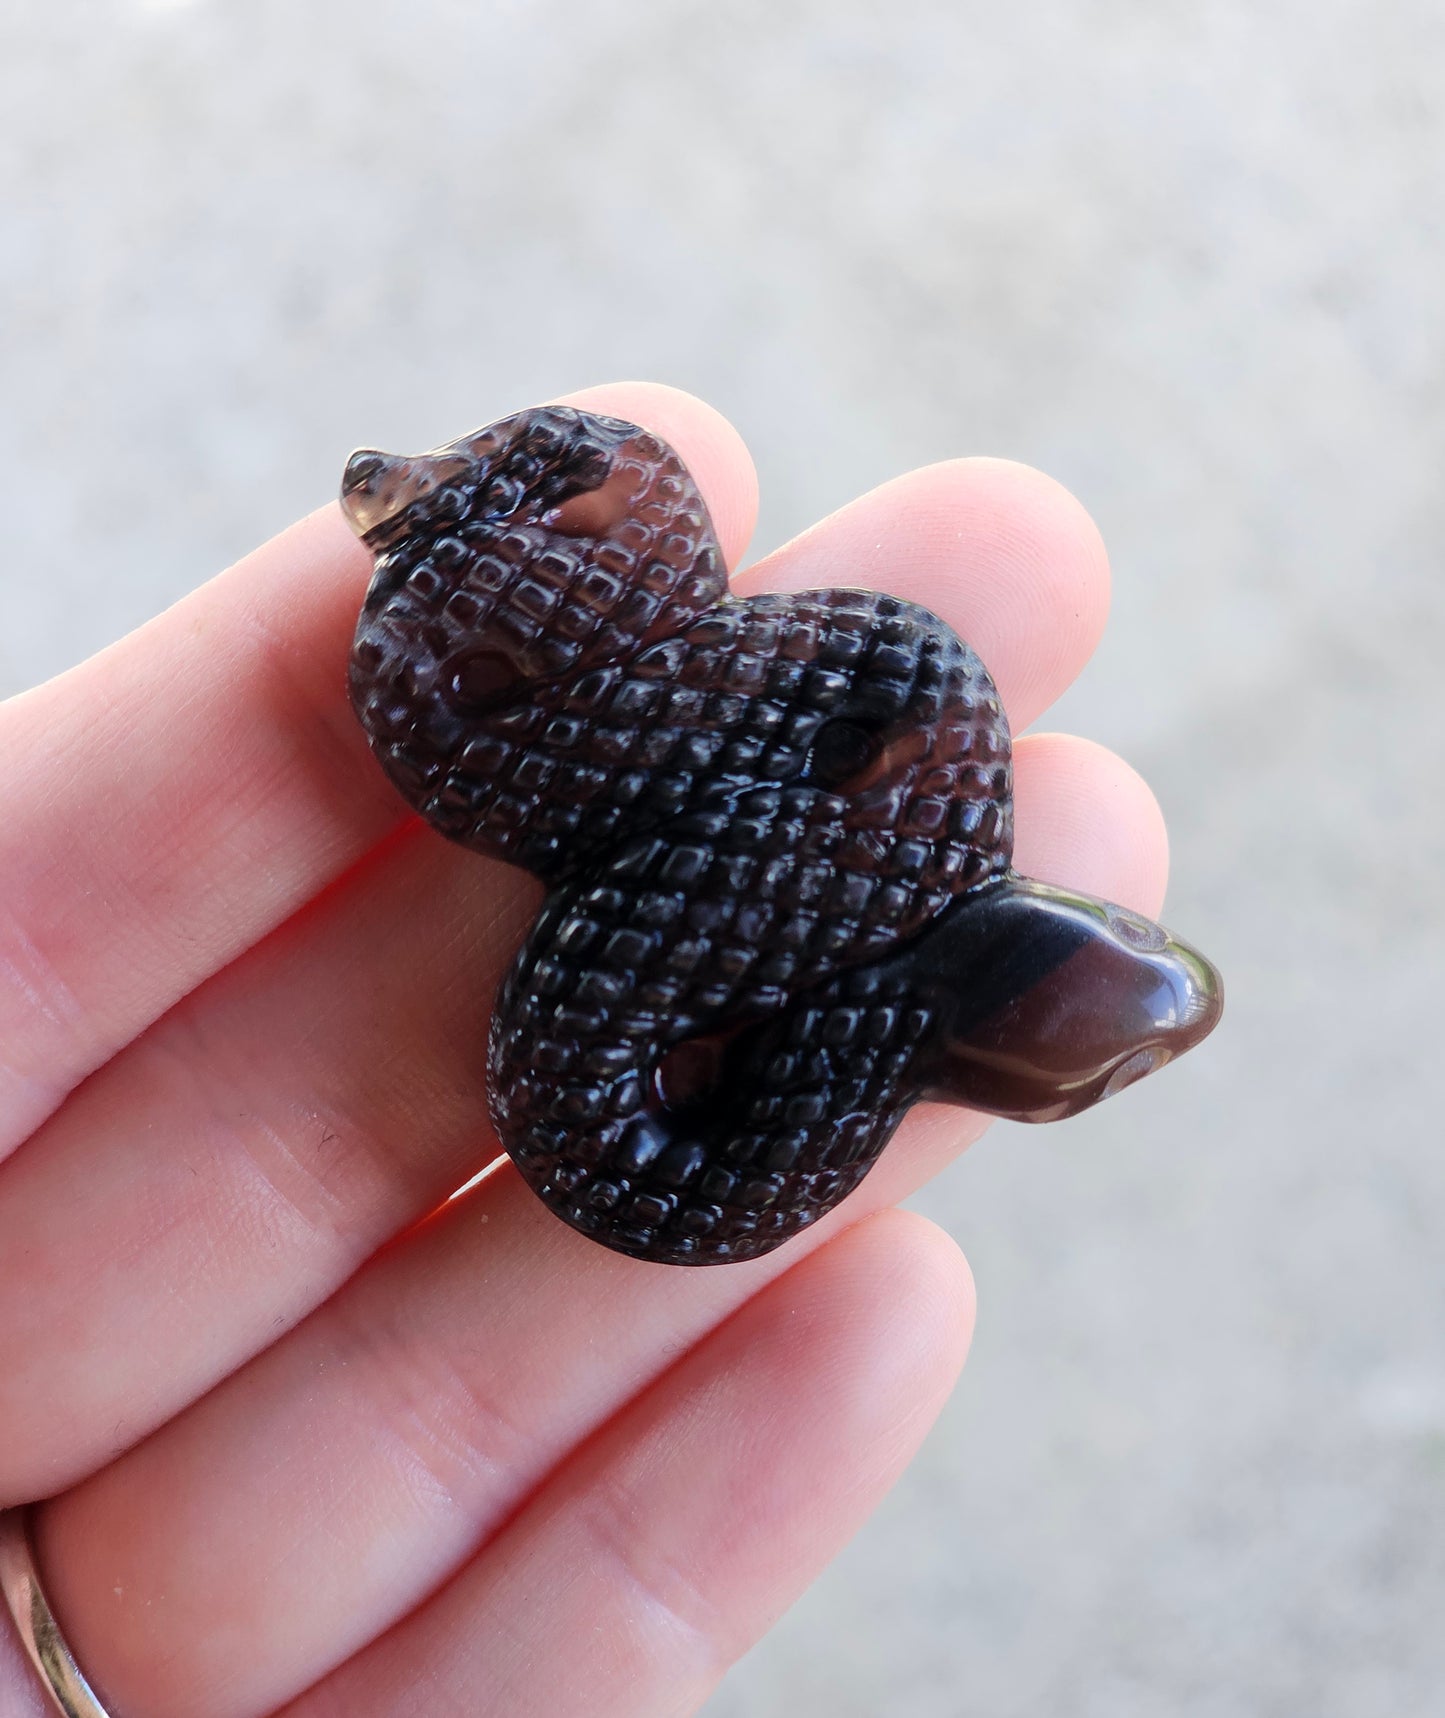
x=1086 y=820
x=910 y=1301
x=1059 y=600
x=1004 y=554
x=706 y=442
x=942 y=1285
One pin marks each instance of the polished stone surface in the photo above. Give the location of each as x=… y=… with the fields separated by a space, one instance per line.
x=778 y=824
x=1187 y=259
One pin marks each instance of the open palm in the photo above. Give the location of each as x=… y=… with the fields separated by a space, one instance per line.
x=315 y=1438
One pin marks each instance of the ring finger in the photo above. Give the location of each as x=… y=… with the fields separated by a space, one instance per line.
x=328 y=1487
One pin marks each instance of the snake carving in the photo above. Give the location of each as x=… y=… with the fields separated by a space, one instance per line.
x=775 y=831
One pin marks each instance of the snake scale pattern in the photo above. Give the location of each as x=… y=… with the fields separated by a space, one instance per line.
x=745 y=811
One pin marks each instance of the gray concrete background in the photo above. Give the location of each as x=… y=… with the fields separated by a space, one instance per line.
x=1187 y=258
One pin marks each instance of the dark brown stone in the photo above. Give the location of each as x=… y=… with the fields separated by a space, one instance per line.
x=776 y=832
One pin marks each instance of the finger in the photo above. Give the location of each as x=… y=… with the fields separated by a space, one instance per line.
x=170 y=801
x=414 y=1411
x=689 y=1523
x=209 y=1186
x=1061 y=782
x=663 y=1551
x=266 y=1136
x=1004 y=552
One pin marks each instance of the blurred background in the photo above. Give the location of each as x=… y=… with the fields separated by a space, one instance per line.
x=1189 y=260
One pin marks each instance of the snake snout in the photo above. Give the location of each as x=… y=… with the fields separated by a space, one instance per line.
x=1051 y=1001
x=377 y=488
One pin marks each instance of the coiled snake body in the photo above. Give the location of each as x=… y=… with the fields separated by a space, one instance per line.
x=776 y=833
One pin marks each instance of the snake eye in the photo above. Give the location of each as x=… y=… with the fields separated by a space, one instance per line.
x=1139 y=932
x=841 y=750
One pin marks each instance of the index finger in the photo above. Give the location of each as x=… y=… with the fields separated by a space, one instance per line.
x=173 y=799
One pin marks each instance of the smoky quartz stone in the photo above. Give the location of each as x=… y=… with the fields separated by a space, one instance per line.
x=776 y=834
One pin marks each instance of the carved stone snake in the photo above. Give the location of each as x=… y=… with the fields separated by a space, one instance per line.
x=776 y=834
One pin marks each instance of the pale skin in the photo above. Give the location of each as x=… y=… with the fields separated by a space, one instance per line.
x=308 y=1449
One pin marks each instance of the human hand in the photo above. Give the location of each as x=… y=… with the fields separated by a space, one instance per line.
x=311 y=1443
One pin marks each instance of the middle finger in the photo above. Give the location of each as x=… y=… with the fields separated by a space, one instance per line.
x=226 y=1173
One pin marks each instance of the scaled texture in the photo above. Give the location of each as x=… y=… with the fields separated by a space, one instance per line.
x=776 y=832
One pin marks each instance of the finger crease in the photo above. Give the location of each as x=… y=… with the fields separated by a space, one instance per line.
x=615 y=1522
x=454 y=1434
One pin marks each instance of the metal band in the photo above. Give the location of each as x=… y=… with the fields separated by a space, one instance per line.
x=44 y=1644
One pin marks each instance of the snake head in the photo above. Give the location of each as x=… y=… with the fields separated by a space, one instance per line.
x=552 y=542
x=380 y=491
x=1048 y=1001
x=520 y=471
